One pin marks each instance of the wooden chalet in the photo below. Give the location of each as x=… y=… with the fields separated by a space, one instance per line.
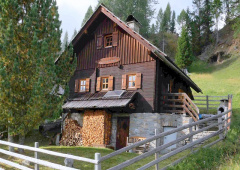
x=123 y=85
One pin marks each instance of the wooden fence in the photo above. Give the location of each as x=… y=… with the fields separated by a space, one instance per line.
x=206 y=103
x=38 y=161
x=223 y=126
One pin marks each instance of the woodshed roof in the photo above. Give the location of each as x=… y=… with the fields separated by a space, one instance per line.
x=97 y=101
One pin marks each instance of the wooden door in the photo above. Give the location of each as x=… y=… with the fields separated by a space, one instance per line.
x=122 y=132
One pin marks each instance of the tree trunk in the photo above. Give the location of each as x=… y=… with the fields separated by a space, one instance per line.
x=21 y=142
x=10 y=139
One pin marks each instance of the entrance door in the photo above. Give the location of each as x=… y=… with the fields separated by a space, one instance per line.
x=122 y=132
x=169 y=138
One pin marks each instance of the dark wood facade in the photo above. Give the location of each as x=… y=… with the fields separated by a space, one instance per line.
x=128 y=49
x=135 y=56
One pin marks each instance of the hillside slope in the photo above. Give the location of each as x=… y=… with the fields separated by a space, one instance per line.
x=227 y=46
x=218 y=79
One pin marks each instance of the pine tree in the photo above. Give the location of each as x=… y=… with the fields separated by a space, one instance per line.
x=217 y=10
x=181 y=19
x=30 y=45
x=184 y=56
x=74 y=33
x=172 y=24
x=207 y=22
x=159 y=20
x=65 y=41
x=87 y=15
x=165 y=25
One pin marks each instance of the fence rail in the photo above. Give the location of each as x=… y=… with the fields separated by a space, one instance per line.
x=38 y=161
x=207 y=103
x=223 y=126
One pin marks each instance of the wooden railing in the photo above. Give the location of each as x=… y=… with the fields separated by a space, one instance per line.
x=179 y=103
x=206 y=103
x=222 y=124
x=38 y=161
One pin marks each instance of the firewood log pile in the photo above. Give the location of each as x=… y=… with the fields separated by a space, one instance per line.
x=72 y=133
x=96 y=128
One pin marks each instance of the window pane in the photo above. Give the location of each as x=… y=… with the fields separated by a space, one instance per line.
x=133 y=84
x=134 y=78
x=84 y=82
x=103 y=86
x=103 y=80
x=83 y=87
x=130 y=78
x=106 y=86
x=129 y=84
x=106 y=80
x=81 y=82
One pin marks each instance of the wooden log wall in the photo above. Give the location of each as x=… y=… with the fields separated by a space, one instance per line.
x=96 y=128
x=128 y=49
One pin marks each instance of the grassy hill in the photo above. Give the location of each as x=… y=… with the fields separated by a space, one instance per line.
x=218 y=80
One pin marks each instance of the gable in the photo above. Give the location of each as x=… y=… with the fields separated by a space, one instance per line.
x=126 y=47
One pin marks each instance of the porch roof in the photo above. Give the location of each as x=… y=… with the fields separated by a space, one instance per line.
x=96 y=100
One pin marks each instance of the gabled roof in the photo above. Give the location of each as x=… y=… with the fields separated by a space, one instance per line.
x=153 y=50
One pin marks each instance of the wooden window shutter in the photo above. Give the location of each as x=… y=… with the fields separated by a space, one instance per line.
x=98 y=88
x=124 y=81
x=110 y=83
x=138 y=80
x=76 y=86
x=88 y=84
x=115 y=39
x=99 y=41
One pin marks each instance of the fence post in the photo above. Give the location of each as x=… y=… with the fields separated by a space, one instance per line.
x=229 y=107
x=207 y=102
x=156 y=154
x=97 y=166
x=36 y=166
x=220 y=126
x=190 y=131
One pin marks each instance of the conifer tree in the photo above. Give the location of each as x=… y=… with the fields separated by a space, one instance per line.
x=30 y=45
x=217 y=10
x=140 y=9
x=159 y=20
x=165 y=25
x=172 y=24
x=87 y=15
x=74 y=33
x=207 y=22
x=65 y=41
x=184 y=56
x=181 y=19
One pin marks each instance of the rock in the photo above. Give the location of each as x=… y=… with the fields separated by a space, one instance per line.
x=26 y=162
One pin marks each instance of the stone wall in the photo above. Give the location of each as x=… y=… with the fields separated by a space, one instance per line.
x=144 y=125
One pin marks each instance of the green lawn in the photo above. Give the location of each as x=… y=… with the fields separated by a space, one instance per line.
x=218 y=80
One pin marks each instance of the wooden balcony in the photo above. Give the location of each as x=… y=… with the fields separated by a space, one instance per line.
x=179 y=103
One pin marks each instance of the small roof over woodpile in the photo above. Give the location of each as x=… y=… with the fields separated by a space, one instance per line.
x=99 y=101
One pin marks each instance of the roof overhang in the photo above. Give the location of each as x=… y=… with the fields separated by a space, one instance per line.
x=174 y=67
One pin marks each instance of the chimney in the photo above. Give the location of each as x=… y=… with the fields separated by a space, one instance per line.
x=133 y=23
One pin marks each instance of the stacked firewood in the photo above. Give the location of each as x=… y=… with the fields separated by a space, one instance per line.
x=96 y=124
x=72 y=133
